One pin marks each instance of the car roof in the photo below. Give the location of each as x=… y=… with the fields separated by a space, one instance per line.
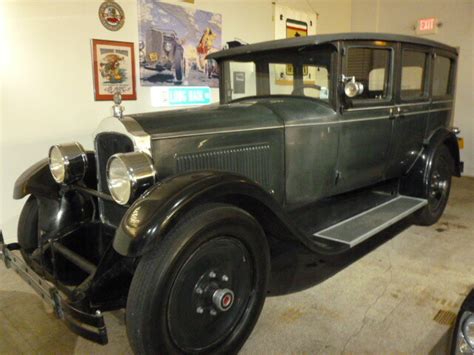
x=326 y=38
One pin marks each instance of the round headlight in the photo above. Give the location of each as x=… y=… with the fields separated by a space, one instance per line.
x=468 y=330
x=128 y=175
x=67 y=162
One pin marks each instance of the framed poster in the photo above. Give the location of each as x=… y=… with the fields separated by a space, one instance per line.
x=174 y=41
x=291 y=23
x=114 y=69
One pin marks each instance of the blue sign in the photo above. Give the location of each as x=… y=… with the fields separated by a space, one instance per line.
x=180 y=96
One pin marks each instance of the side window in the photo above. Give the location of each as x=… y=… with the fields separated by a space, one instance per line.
x=413 y=74
x=312 y=81
x=371 y=67
x=441 y=76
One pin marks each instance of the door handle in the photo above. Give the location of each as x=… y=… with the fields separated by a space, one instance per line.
x=391 y=114
x=395 y=112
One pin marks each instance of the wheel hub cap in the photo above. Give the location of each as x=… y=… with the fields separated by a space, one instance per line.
x=223 y=299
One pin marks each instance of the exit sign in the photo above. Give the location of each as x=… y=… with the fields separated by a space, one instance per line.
x=427 y=26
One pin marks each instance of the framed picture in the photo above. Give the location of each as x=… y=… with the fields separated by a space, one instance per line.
x=114 y=69
x=174 y=42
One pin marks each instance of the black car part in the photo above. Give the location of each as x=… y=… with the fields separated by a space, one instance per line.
x=89 y=325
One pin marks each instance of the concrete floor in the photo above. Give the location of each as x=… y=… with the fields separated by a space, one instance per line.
x=400 y=298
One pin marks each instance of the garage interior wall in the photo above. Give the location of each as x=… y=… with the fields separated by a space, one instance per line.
x=46 y=90
x=46 y=93
x=457 y=30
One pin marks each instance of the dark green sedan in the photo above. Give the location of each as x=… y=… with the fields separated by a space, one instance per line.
x=183 y=217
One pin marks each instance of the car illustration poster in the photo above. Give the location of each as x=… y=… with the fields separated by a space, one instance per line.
x=114 y=69
x=174 y=42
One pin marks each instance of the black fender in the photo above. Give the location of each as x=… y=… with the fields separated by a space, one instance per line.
x=160 y=207
x=37 y=180
x=416 y=181
x=62 y=215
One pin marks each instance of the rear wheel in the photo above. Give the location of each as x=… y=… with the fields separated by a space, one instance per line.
x=203 y=286
x=437 y=187
x=28 y=229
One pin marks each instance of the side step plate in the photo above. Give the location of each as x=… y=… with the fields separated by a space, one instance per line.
x=358 y=228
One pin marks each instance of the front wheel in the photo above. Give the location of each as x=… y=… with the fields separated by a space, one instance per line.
x=202 y=288
x=437 y=187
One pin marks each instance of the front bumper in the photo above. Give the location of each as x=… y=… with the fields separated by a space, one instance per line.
x=90 y=326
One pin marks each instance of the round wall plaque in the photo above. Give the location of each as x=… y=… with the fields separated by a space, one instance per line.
x=111 y=15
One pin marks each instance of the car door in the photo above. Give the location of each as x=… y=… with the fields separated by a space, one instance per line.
x=366 y=124
x=411 y=112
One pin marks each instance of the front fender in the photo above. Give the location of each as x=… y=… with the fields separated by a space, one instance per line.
x=37 y=179
x=152 y=215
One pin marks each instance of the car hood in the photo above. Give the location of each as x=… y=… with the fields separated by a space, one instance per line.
x=244 y=115
x=211 y=118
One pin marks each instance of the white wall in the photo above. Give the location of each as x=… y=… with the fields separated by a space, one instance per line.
x=457 y=30
x=46 y=91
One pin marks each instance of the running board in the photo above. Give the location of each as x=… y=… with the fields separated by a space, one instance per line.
x=360 y=227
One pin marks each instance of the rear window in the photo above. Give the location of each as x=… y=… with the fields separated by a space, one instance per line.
x=441 y=76
x=413 y=74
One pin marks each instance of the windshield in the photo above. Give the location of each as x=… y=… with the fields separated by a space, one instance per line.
x=300 y=72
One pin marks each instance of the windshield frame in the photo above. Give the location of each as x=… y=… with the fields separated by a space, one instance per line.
x=262 y=61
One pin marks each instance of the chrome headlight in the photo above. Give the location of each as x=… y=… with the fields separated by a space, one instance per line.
x=464 y=334
x=128 y=175
x=67 y=162
x=468 y=331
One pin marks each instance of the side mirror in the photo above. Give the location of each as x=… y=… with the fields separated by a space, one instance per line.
x=352 y=88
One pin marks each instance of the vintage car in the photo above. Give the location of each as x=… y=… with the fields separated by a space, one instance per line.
x=163 y=51
x=319 y=142
x=462 y=340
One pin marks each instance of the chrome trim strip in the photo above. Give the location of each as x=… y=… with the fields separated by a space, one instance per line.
x=337 y=122
x=414 y=104
x=410 y=113
x=406 y=104
x=204 y=133
x=369 y=108
x=442 y=101
x=441 y=109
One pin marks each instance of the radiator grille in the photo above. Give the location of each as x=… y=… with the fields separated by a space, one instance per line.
x=251 y=161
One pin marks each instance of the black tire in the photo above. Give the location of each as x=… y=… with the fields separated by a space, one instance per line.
x=437 y=187
x=28 y=229
x=179 y=275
